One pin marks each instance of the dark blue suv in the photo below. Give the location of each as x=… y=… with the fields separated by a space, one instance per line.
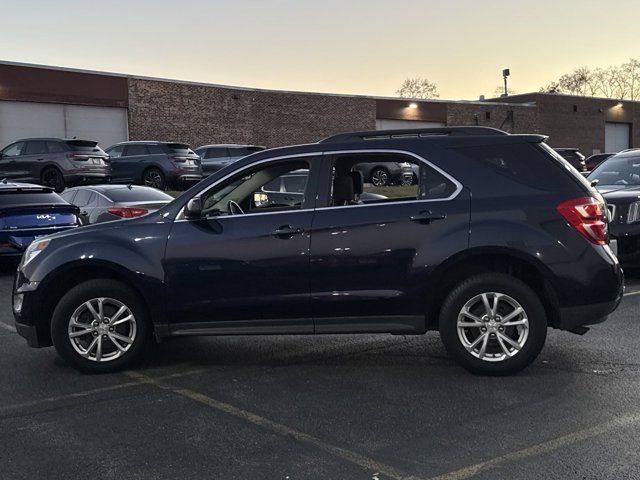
x=498 y=240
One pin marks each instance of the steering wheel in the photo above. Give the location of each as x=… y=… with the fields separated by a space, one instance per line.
x=234 y=208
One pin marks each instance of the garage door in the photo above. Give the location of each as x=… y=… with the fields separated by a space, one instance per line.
x=616 y=137
x=384 y=124
x=107 y=125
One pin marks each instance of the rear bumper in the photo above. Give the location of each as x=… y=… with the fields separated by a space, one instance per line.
x=86 y=178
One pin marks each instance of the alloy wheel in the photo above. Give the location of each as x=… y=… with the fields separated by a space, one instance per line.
x=102 y=329
x=493 y=326
x=52 y=178
x=379 y=178
x=153 y=179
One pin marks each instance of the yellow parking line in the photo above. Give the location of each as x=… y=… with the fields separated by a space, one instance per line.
x=541 y=448
x=8 y=327
x=86 y=393
x=342 y=453
x=628 y=294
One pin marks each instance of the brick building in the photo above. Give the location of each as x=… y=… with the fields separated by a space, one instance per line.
x=50 y=101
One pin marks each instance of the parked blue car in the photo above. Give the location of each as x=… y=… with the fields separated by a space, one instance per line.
x=28 y=212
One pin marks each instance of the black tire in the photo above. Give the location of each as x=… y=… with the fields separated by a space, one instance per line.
x=73 y=301
x=52 y=177
x=153 y=177
x=515 y=290
x=380 y=177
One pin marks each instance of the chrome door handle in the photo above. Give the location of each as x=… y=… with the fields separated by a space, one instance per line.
x=287 y=231
x=428 y=216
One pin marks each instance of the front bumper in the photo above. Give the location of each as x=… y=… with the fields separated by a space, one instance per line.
x=26 y=303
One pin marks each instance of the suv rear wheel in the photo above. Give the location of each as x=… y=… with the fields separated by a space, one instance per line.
x=380 y=177
x=493 y=324
x=100 y=326
x=153 y=177
x=52 y=177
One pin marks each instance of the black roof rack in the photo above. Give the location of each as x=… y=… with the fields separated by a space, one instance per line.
x=412 y=133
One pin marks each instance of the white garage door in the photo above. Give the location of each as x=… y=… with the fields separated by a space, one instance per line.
x=384 y=124
x=616 y=137
x=107 y=125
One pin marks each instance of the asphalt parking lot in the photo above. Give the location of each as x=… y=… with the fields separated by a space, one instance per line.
x=297 y=407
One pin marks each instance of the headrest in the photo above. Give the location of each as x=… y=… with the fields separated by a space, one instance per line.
x=358 y=182
x=342 y=190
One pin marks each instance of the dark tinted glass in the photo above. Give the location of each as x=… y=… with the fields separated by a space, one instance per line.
x=116 y=152
x=178 y=148
x=155 y=149
x=524 y=163
x=617 y=170
x=135 y=149
x=35 y=147
x=295 y=183
x=85 y=146
x=138 y=194
x=23 y=197
x=217 y=153
x=82 y=198
x=56 y=147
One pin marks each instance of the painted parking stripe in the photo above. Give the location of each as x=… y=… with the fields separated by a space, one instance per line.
x=629 y=294
x=541 y=448
x=87 y=393
x=342 y=453
x=6 y=326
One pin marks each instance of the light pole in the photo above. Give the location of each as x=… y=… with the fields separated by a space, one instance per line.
x=505 y=74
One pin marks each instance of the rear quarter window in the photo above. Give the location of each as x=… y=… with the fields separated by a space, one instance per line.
x=524 y=163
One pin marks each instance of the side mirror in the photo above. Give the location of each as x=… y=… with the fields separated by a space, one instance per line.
x=193 y=210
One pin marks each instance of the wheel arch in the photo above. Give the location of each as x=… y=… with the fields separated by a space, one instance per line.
x=479 y=260
x=72 y=274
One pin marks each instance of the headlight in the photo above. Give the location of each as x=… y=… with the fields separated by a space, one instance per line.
x=33 y=250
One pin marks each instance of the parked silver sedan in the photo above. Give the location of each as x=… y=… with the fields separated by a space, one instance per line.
x=105 y=203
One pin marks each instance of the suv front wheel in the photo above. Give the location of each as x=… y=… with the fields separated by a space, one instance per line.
x=100 y=326
x=493 y=324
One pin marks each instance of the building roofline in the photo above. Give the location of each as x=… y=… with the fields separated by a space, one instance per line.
x=248 y=89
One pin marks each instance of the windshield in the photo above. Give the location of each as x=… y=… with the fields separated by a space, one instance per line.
x=616 y=170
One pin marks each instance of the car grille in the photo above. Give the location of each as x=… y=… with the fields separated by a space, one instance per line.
x=633 y=215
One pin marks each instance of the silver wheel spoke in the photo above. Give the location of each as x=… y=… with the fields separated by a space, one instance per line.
x=503 y=346
x=122 y=338
x=487 y=306
x=483 y=349
x=90 y=307
x=90 y=347
x=122 y=320
x=99 y=349
x=79 y=333
x=510 y=341
x=494 y=309
x=477 y=341
x=471 y=316
x=524 y=321
x=115 y=342
x=116 y=315
x=513 y=314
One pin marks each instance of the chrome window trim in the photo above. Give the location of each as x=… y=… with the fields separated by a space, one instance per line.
x=180 y=216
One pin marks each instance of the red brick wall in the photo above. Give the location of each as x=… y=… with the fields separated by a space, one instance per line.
x=201 y=114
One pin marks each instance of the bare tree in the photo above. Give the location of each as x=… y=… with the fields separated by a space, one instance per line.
x=621 y=82
x=418 y=88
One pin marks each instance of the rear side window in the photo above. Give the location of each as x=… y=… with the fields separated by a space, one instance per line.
x=35 y=147
x=524 y=163
x=217 y=153
x=155 y=150
x=82 y=198
x=135 y=149
x=55 y=147
x=116 y=152
x=68 y=195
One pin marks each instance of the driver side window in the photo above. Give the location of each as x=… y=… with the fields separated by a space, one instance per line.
x=252 y=190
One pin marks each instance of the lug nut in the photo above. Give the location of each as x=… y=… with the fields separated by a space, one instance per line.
x=104 y=337
x=106 y=320
x=94 y=323
x=501 y=329
x=95 y=334
x=111 y=329
x=483 y=329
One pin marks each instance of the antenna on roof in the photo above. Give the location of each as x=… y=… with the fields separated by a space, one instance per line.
x=4 y=181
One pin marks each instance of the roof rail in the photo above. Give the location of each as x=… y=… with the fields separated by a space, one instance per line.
x=411 y=133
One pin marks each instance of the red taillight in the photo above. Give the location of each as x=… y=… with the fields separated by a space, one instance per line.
x=128 y=212
x=588 y=216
